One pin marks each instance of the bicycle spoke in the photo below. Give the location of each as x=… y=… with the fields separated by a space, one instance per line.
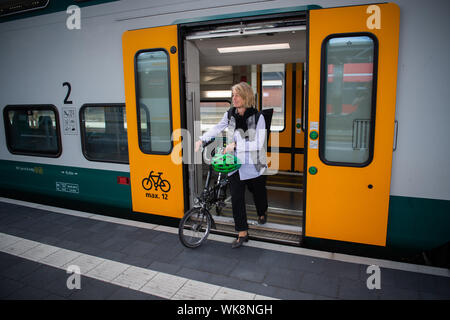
x=194 y=228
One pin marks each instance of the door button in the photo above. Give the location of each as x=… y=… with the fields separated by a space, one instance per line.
x=314 y=135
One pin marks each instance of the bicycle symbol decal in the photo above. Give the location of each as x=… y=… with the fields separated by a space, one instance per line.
x=155 y=180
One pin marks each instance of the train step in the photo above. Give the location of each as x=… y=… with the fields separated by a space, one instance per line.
x=268 y=232
x=276 y=215
x=281 y=181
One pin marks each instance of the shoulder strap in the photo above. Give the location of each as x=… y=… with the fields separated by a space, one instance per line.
x=230 y=113
x=267 y=113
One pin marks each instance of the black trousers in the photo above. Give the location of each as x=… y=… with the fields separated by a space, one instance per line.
x=257 y=187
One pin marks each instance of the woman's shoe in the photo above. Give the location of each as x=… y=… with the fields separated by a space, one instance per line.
x=262 y=219
x=239 y=241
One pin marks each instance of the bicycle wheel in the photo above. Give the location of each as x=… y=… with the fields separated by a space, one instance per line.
x=164 y=185
x=194 y=227
x=147 y=183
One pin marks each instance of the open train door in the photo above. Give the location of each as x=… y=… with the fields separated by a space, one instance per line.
x=353 y=53
x=152 y=94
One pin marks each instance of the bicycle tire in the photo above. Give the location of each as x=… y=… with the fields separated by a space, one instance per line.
x=194 y=227
x=145 y=185
x=164 y=185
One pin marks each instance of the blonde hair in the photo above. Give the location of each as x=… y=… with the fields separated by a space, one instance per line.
x=245 y=91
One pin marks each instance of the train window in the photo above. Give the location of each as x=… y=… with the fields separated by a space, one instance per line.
x=32 y=130
x=273 y=84
x=104 y=132
x=153 y=96
x=349 y=64
x=211 y=112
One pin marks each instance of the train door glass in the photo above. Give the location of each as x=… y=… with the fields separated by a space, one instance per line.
x=211 y=112
x=152 y=95
x=351 y=110
x=348 y=99
x=273 y=89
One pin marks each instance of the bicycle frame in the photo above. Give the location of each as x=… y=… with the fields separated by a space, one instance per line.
x=210 y=195
x=192 y=224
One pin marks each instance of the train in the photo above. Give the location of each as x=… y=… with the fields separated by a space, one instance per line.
x=99 y=96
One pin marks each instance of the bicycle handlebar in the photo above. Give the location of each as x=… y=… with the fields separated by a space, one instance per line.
x=207 y=143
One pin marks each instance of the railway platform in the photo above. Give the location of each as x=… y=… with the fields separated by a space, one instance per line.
x=50 y=253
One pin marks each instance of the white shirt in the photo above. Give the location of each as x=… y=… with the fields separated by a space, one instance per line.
x=244 y=148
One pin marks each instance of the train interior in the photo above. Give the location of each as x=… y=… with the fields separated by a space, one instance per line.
x=271 y=57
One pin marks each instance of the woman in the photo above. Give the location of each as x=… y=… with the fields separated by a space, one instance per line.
x=245 y=138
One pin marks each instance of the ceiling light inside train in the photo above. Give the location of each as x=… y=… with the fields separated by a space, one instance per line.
x=218 y=94
x=259 y=47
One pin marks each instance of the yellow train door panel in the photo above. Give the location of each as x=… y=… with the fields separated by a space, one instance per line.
x=150 y=60
x=353 y=53
x=293 y=87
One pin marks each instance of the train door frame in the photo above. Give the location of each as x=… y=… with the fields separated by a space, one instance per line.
x=186 y=29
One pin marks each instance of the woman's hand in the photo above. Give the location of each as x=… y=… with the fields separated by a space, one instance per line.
x=230 y=148
x=198 y=144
